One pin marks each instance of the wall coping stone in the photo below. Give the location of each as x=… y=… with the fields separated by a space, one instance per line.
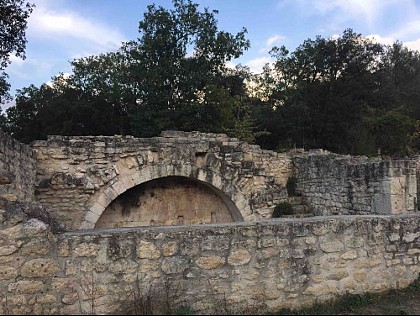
x=271 y=222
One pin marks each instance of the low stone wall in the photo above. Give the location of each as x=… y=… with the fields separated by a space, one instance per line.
x=17 y=169
x=268 y=265
x=333 y=184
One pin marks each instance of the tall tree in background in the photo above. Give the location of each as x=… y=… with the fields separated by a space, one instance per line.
x=161 y=79
x=174 y=76
x=13 y=23
x=319 y=92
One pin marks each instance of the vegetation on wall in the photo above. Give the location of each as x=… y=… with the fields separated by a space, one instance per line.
x=346 y=94
x=282 y=209
x=291 y=186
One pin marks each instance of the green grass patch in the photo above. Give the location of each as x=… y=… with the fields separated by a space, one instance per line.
x=393 y=302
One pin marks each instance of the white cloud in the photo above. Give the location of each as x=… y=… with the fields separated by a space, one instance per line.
x=410 y=28
x=340 y=14
x=16 y=60
x=414 y=45
x=274 y=39
x=387 y=40
x=59 y=26
x=231 y=65
x=365 y=10
x=256 y=65
x=271 y=41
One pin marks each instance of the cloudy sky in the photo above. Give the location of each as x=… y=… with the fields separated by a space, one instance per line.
x=62 y=30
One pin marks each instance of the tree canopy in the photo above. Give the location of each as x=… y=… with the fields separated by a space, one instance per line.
x=348 y=94
x=339 y=94
x=174 y=76
x=13 y=24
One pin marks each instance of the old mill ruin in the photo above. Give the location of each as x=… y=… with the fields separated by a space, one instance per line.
x=194 y=210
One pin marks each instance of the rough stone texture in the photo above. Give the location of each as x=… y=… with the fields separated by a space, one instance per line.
x=80 y=176
x=166 y=201
x=17 y=169
x=278 y=263
x=333 y=184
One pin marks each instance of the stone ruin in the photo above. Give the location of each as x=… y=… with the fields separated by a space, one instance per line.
x=85 y=221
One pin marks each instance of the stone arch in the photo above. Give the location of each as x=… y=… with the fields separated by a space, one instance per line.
x=129 y=178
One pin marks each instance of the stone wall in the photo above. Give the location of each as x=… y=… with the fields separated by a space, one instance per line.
x=333 y=184
x=80 y=176
x=17 y=170
x=267 y=265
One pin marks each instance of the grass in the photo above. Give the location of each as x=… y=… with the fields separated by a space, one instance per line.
x=393 y=302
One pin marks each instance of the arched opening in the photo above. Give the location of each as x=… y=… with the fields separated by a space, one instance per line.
x=173 y=200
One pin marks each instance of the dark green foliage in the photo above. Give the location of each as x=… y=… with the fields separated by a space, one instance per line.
x=291 y=186
x=184 y=310
x=323 y=95
x=281 y=209
x=347 y=94
x=61 y=110
x=393 y=130
x=151 y=84
x=13 y=23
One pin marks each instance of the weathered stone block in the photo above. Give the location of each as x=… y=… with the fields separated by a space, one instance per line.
x=174 y=265
x=169 y=248
x=37 y=268
x=212 y=262
x=86 y=250
x=349 y=255
x=333 y=246
x=70 y=298
x=7 y=250
x=239 y=257
x=410 y=237
x=147 y=250
x=321 y=289
x=7 y=273
x=46 y=299
x=26 y=287
x=338 y=275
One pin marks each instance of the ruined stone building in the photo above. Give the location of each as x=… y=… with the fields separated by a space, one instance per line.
x=196 y=209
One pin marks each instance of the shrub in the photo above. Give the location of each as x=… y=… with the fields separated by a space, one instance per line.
x=291 y=185
x=281 y=209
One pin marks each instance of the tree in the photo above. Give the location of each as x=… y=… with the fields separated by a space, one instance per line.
x=392 y=130
x=320 y=91
x=13 y=23
x=180 y=53
x=174 y=76
x=60 y=109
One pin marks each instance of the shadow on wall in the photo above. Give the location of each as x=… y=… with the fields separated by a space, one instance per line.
x=169 y=201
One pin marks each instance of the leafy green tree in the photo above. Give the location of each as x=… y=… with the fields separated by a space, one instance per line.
x=174 y=76
x=13 y=23
x=399 y=78
x=393 y=131
x=319 y=92
x=179 y=55
x=60 y=109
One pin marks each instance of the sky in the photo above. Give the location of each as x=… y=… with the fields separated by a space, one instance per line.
x=60 y=31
